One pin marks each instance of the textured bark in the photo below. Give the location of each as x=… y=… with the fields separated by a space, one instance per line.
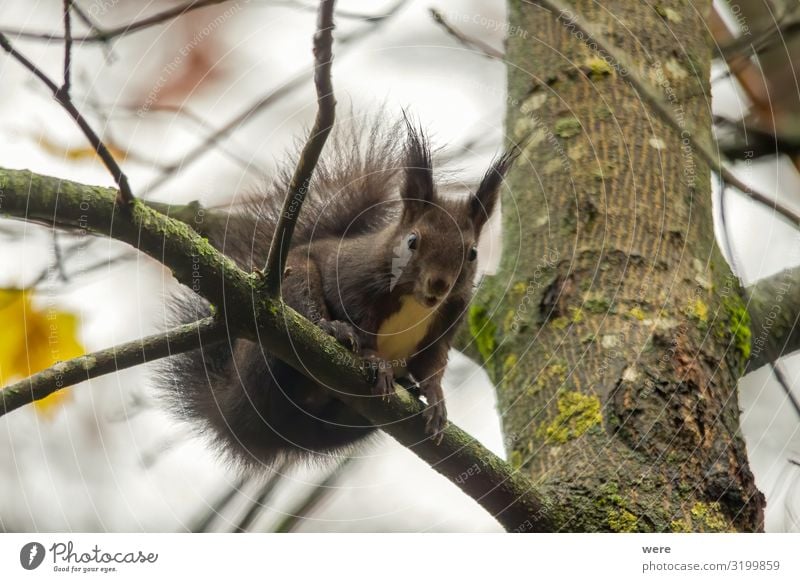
x=614 y=329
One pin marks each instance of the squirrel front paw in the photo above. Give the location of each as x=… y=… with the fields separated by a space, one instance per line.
x=383 y=378
x=343 y=332
x=435 y=414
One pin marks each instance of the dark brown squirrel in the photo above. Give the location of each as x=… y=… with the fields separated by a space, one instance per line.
x=379 y=260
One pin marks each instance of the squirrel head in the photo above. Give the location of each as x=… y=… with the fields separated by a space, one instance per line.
x=436 y=246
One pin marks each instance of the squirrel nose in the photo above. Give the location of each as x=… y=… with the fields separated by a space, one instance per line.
x=438 y=286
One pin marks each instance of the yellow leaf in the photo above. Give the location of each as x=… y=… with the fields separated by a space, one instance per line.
x=32 y=339
x=79 y=154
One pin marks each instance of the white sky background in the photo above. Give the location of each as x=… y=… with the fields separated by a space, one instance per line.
x=92 y=469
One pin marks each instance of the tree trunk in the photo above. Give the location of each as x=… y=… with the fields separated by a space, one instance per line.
x=614 y=330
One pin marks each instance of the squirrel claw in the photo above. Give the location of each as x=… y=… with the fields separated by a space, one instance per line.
x=341 y=332
x=384 y=383
x=383 y=380
x=435 y=416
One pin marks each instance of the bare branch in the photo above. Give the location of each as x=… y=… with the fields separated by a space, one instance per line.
x=106 y=35
x=67 y=47
x=58 y=258
x=212 y=140
x=101 y=35
x=181 y=339
x=205 y=132
x=589 y=30
x=94 y=27
x=125 y=196
x=301 y=179
x=774 y=308
x=84 y=17
x=469 y=42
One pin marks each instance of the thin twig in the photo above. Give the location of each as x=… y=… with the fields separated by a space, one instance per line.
x=784 y=382
x=467 y=41
x=84 y=17
x=67 y=47
x=58 y=259
x=301 y=179
x=108 y=262
x=317 y=496
x=125 y=196
x=590 y=31
x=101 y=35
x=94 y=27
x=212 y=140
x=186 y=114
x=180 y=339
x=58 y=262
x=106 y=35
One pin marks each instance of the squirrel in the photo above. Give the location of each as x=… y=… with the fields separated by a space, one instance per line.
x=379 y=260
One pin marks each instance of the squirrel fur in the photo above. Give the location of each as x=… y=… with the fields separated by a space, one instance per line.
x=379 y=260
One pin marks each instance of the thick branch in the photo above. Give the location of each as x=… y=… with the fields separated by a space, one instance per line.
x=63 y=374
x=774 y=309
x=57 y=203
x=64 y=204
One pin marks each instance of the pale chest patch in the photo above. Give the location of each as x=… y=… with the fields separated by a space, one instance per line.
x=401 y=333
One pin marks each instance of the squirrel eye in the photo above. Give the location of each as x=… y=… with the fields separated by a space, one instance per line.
x=413 y=241
x=473 y=254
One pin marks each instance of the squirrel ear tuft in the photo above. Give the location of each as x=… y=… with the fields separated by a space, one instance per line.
x=485 y=198
x=418 y=188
